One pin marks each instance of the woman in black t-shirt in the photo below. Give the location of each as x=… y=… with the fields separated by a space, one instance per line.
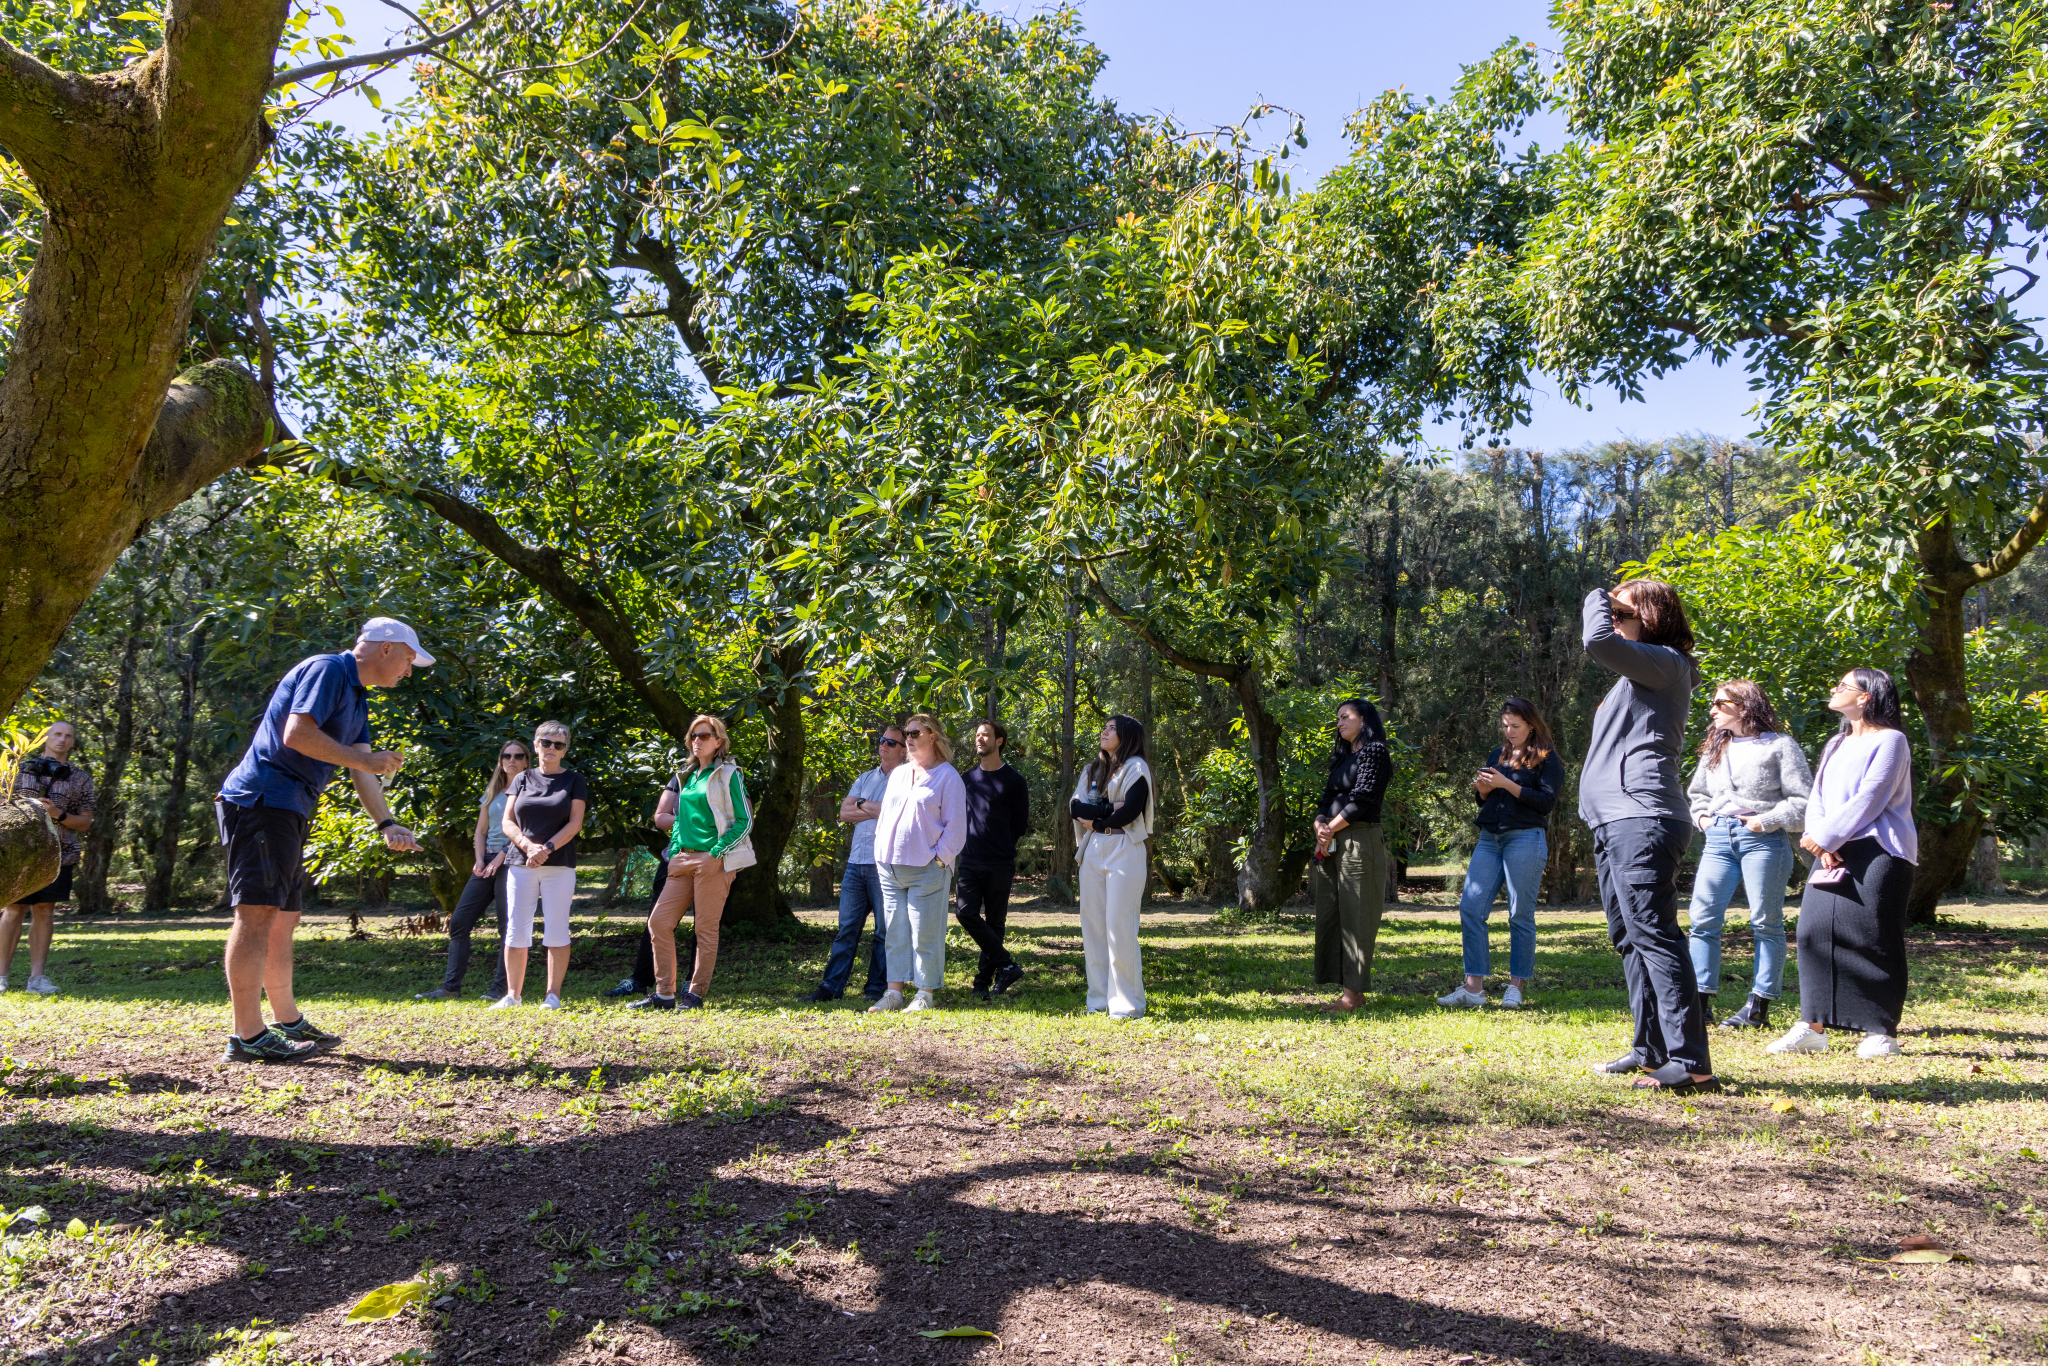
x=543 y=815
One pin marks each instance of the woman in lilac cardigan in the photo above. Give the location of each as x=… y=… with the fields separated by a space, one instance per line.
x=1852 y=920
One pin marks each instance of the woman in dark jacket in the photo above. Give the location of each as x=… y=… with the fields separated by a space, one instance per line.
x=1515 y=791
x=1349 y=876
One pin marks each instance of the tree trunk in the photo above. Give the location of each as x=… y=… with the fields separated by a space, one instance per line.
x=135 y=170
x=163 y=876
x=1259 y=888
x=98 y=854
x=30 y=850
x=757 y=905
x=1219 y=866
x=1060 y=884
x=1939 y=678
x=1390 y=602
x=451 y=855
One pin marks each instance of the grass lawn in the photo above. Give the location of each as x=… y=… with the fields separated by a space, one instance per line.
x=1236 y=1178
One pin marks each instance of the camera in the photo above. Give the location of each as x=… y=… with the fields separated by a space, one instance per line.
x=43 y=766
x=1092 y=811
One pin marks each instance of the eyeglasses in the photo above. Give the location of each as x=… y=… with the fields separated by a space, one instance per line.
x=702 y=735
x=912 y=734
x=552 y=744
x=1623 y=614
x=1844 y=687
x=886 y=743
x=514 y=756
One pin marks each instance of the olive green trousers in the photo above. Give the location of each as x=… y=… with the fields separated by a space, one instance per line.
x=1350 y=888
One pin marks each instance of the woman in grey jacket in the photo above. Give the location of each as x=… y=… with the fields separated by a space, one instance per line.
x=1630 y=795
x=1749 y=794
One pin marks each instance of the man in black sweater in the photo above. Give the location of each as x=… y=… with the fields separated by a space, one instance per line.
x=998 y=811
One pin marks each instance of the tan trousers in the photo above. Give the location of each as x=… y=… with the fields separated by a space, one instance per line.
x=694 y=880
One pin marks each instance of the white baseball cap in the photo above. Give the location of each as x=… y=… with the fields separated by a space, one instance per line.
x=392 y=629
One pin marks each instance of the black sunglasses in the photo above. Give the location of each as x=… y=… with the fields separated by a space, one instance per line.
x=553 y=744
x=886 y=741
x=702 y=735
x=518 y=754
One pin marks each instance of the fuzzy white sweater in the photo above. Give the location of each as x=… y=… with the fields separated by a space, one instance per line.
x=1765 y=776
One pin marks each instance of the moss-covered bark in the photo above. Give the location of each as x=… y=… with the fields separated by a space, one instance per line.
x=30 y=852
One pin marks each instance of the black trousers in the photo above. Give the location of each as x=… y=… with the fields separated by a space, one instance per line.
x=1852 y=943
x=643 y=959
x=1638 y=865
x=982 y=892
x=479 y=895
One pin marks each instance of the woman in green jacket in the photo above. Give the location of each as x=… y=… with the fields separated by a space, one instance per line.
x=708 y=845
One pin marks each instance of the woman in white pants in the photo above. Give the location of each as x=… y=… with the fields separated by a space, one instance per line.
x=1112 y=811
x=543 y=812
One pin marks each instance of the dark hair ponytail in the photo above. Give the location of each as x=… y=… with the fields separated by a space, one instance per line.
x=1882 y=710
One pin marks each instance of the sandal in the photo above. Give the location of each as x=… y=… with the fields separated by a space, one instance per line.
x=1675 y=1078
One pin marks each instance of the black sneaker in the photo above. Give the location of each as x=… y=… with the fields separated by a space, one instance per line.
x=1007 y=976
x=303 y=1030
x=440 y=994
x=689 y=1000
x=270 y=1046
x=1755 y=1014
x=654 y=1002
x=626 y=987
x=819 y=995
x=981 y=993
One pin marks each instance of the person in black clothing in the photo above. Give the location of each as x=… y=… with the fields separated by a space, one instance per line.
x=1349 y=876
x=1515 y=792
x=640 y=981
x=998 y=814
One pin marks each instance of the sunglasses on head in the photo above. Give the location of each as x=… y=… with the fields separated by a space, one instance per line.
x=702 y=735
x=552 y=744
x=1623 y=614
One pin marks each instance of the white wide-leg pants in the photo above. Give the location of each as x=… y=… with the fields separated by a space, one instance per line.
x=1112 y=889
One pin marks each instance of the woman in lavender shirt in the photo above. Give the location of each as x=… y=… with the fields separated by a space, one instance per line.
x=1852 y=920
x=917 y=837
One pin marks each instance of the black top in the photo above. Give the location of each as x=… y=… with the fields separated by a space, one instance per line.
x=1103 y=817
x=1357 y=784
x=998 y=813
x=1500 y=810
x=540 y=807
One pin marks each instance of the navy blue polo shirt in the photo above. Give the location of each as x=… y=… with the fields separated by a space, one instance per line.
x=324 y=687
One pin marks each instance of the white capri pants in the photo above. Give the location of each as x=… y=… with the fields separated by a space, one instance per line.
x=1112 y=890
x=554 y=889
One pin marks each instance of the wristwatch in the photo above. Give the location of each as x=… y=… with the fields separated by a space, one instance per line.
x=385 y=824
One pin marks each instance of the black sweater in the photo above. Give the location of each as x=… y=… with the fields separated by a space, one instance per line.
x=1357 y=784
x=998 y=811
x=1500 y=810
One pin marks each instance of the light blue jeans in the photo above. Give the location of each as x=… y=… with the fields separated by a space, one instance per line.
x=916 y=907
x=1515 y=857
x=1761 y=863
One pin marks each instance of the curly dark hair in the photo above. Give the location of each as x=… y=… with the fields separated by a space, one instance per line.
x=1752 y=707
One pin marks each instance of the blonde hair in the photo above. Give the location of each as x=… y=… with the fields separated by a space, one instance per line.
x=499 y=782
x=717 y=729
x=929 y=724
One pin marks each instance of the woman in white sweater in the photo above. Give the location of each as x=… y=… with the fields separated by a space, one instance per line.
x=1749 y=795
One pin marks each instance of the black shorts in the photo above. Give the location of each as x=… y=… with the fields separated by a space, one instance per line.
x=60 y=890
x=266 y=855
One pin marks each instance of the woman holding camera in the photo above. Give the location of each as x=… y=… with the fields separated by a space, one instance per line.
x=544 y=811
x=1748 y=793
x=1349 y=874
x=1112 y=810
x=486 y=888
x=1516 y=792
x=918 y=835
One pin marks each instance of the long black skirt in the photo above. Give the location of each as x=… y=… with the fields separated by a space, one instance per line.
x=1852 y=943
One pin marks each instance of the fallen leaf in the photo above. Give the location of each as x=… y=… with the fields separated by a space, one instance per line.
x=388 y=1301
x=1975 y=1068
x=1928 y=1256
x=1783 y=1107
x=76 y=1229
x=961 y=1332
x=1513 y=1161
x=1917 y=1240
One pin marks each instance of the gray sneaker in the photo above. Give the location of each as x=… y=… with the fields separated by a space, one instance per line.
x=41 y=985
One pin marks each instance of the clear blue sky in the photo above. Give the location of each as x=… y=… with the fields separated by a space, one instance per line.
x=1206 y=62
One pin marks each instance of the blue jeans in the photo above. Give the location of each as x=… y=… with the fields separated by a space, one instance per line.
x=916 y=904
x=1515 y=857
x=860 y=894
x=1761 y=863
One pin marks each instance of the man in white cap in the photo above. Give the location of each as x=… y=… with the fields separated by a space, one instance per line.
x=318 y=719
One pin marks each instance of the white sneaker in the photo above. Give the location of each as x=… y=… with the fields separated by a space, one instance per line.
x=42 y=985
x=891 y=999
x=3 y=981
x=505 y=1002
x=1512 y=997
x=922 y=1001
x=1462 y=997
x=553 y=1002
x=1878 y=1046
x=1799 y=1039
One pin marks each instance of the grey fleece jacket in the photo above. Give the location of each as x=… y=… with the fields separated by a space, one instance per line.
x=1766 y=777
x=1631 y=770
